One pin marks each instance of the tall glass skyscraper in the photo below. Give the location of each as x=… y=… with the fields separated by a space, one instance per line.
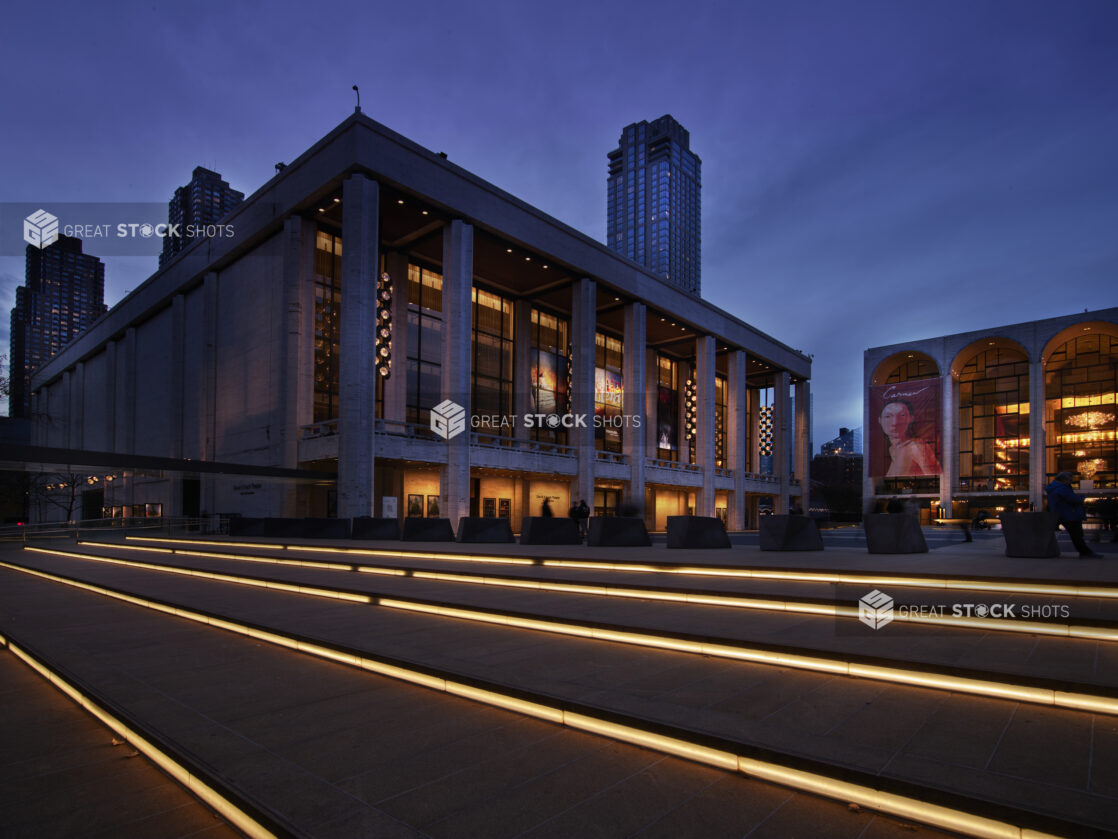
x=653 y=216
x=63 y=294
x=206 y=200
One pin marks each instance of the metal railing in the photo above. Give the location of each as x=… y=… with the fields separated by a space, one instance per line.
x=674 y=464
x=611 y=457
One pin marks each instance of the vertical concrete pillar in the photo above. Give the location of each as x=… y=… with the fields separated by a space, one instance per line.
x=177 y=373
x=584 y=324
x=949 y=457
x=75 y=413
x=458 y=275
x=639 y=402
x=522 y=383
x=704 y=441
x=753 y=396
x=1038 y=477
x=737 y=435
x=782 y=440
x=110 y=395
x=802 y=454
x=127 y=424
x=396 y=388
x=356 y=387
x=294 y=375
x=207 y=410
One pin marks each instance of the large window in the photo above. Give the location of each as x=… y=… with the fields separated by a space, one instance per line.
x=609 y=393
x=1080 y=414
x=425 y=343
x=492 y=367
x=327 y=299
x=667 y=408
x=720 y=402
x=550 y=372
x=994 y=421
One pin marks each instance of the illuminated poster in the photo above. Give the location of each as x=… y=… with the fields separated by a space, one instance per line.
x=904 y=430
x=608 y=401
x=667 y=419
x=549 y=379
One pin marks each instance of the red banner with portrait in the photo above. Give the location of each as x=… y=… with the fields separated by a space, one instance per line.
x=904 y=429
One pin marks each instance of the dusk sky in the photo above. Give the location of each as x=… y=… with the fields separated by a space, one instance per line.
x=873 y=172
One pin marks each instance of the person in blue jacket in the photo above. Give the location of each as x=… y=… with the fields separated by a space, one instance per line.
x=1070 y=510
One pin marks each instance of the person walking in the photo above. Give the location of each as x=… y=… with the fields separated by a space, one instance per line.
x=1070 y=511
x=545 y=510
x=582 y=514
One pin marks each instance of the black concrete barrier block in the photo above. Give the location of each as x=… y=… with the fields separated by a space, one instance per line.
x=618 y=532
x=790 y=533
x=368 y=527
x=246 y=526
x=548 y=530
x=418 y=529
x=892 y=533
x=325 y=528
x=287 y=528
x=480 y=529
x=1030 y=535
x=697 y=532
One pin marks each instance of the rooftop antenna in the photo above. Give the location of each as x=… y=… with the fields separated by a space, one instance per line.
x=357 y=110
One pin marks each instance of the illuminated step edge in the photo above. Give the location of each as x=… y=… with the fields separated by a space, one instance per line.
x=1091 y=629
x=1040 y=691
x=902 y=799
x=239 y=812
x=1016 y=585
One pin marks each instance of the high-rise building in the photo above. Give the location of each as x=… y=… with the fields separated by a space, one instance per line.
x=849 y=441
x=206 y=200
x=653 y=215
x=63 y=293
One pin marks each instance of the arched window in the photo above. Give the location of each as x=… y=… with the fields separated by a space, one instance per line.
x=1080 y=414
x=994 y=421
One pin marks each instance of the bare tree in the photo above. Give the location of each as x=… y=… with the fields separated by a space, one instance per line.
x=61 y=491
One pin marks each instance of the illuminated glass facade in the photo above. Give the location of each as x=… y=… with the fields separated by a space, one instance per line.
x=550 y=372
x=425 y=342
x=1080 y=414
x=994 y=421
x=63 y=294
x=653 y=214
x=327 y=311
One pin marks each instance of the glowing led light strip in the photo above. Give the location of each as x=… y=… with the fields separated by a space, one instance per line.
x=214 y=575
x=164 y=760
x=779 y=658
x=949 y=583
x=819 y=784
x=1096 y=633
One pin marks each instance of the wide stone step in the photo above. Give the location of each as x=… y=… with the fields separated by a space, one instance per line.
x=898 y=735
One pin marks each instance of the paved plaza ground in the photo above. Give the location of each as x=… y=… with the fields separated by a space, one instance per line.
x=734 y=654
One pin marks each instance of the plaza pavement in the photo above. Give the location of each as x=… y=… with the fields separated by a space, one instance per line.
x=319 y=748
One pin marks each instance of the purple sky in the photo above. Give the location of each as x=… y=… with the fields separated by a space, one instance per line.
x=873 y=172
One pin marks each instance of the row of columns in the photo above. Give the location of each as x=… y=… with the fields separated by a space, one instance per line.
x=357 y=378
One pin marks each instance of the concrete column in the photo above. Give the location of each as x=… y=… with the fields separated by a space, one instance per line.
x=704 y=442
x=127 y=414
x=782 y=440
x=396 y=388
x=207 y=410
x=294 y=375
x=737 y=435
x=458 y=272
x=522 y=367
x=1038 y=478
x=639 y=401
x=802 y=465
x=584 y=324
x=110 y=396
x=949 y=460
x=75 y=415
x=177 y=374
x=356 y=385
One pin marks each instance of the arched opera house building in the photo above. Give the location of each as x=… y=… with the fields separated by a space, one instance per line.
x=992 y=416
x=260 y=349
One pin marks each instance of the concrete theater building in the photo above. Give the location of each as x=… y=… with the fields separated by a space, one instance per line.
x=582 y=374
x=985 y=420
